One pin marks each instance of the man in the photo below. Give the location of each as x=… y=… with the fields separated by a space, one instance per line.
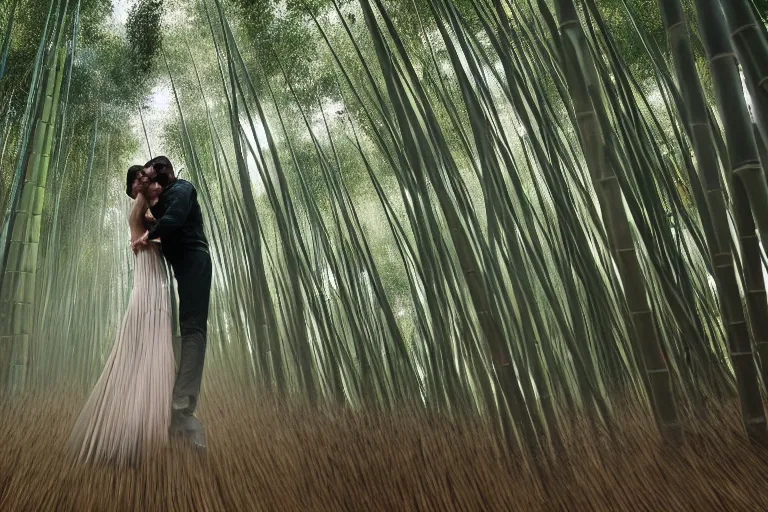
x=179 y=225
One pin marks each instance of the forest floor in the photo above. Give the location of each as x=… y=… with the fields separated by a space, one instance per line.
x=266 y=457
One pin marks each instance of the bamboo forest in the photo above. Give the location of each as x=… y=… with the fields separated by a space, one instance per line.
x=467 y=254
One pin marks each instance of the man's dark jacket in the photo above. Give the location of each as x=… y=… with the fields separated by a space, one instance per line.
x=179 y=221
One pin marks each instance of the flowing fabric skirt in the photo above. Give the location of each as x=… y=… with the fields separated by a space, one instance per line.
x=129 y=410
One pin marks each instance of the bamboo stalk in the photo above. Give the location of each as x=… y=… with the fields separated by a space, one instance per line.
x=22 y=265
x=750 y=203
x=585 y=93
x=705 y=149
x=751 y=44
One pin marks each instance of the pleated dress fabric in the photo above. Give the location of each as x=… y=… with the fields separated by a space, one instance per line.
x=128 y=412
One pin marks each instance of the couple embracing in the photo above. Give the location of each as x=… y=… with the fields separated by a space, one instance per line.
x=138 y=400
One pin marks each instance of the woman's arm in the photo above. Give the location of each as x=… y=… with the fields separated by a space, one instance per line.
x=136 y=217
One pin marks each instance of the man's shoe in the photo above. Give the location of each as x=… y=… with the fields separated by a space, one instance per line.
x=186 y=425
x=197 y=438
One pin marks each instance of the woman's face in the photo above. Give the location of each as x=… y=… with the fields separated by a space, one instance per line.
x=135 y=188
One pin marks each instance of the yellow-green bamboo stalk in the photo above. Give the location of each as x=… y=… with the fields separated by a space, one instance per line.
x=19 y=282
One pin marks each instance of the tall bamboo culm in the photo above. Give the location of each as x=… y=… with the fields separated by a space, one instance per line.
x=585 y=91
x=751 y=45
x=750 y=205
x=696 y=117
x=21 y=267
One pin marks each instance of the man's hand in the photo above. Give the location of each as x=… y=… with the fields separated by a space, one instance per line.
x=140 y=242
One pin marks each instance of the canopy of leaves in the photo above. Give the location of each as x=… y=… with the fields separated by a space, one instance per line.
x=145 y=33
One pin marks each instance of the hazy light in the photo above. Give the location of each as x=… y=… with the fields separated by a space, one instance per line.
x=120 y=10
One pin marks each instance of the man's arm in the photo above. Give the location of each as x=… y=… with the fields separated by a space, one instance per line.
x=148 y=220
x=179 y=202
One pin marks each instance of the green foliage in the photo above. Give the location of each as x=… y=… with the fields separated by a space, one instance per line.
x=28 y=25
x=277 y=32
x=145 y=33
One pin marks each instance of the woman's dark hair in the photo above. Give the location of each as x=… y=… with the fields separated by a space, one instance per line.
x=133 y=171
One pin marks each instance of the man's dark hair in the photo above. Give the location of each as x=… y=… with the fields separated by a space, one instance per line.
x=130 y=177
x=163 y=168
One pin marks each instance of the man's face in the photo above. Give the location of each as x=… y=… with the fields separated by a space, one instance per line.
x=162 y=173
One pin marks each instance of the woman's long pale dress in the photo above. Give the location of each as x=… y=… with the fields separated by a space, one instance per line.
x=129 y=410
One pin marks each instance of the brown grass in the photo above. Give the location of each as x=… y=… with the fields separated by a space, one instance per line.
x=263 y=456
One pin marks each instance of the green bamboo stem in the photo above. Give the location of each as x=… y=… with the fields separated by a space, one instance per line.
x=750 y=203
x=21 y=267
x=285 y=215
x=751 y=44
x=585 y=91
x=705 y=149
x=264 y=313
x=422 y=163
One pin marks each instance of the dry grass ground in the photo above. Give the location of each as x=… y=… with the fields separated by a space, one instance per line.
x=267 y=457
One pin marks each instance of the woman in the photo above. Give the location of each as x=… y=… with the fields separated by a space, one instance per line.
x=129 y=410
